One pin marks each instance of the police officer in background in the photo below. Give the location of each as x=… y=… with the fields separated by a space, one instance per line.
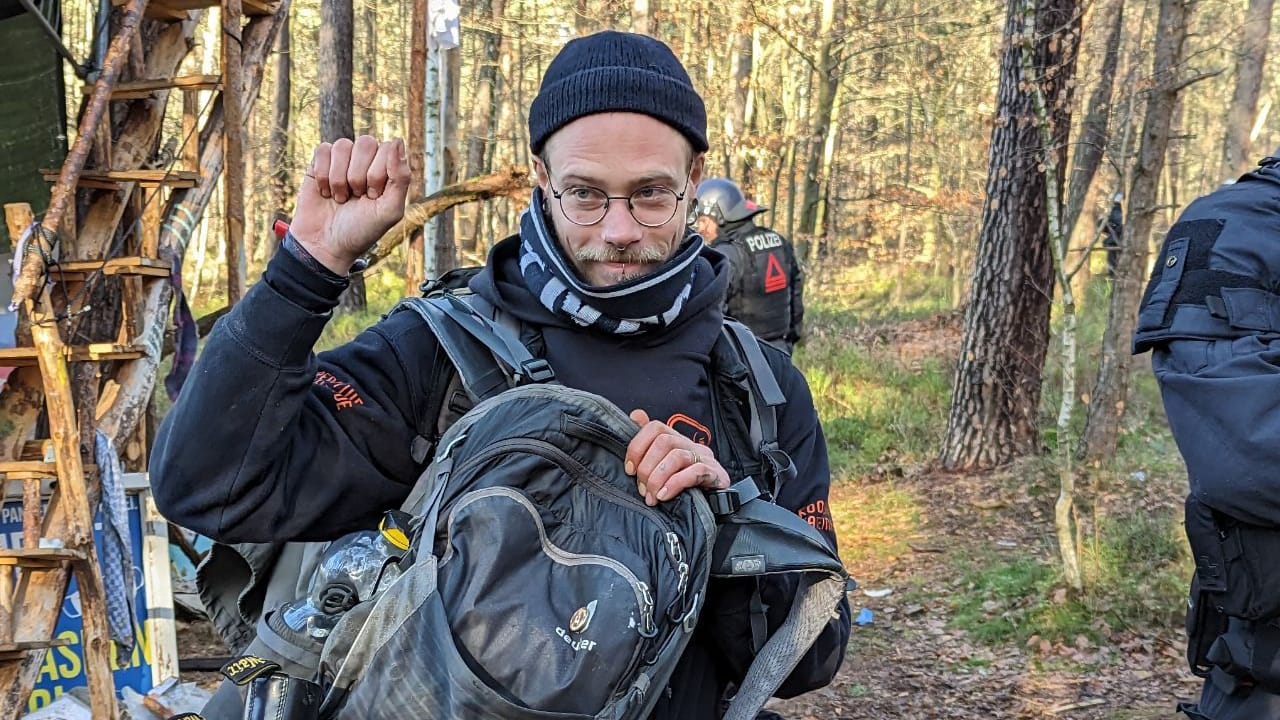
x=766 y=286
x=1112 y=232
x=1211 y=317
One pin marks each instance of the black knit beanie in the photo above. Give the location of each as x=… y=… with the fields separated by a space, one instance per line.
x=617 y=72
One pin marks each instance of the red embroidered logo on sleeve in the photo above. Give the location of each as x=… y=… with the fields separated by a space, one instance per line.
x=818 y=515
x=344 y=396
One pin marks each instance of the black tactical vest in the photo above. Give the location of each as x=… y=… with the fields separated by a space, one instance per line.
x=761 y=300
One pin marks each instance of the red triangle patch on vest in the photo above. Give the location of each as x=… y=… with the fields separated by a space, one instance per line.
x=775 y=278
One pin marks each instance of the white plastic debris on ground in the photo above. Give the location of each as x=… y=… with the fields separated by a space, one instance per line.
x=165 y=700
x=174 y=698
x=73 y=705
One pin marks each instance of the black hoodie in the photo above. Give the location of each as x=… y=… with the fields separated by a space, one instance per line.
x=272 y=442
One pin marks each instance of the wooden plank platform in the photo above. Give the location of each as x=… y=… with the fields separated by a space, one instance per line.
x=30 y=468
x=177 y=9
x=39 y=557
x=34 y=470
x=17 y=650
x=113 y=179
x=135 y=89
x=135 y=265
x=26 y=356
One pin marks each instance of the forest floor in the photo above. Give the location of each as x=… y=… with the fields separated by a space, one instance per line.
x=911 y=662
x=934 y=539
x=972 y=626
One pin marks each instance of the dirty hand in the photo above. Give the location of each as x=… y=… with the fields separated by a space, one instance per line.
x=351 y=194
x=665 y=462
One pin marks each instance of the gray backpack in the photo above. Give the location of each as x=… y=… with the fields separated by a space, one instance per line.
x=531 y=580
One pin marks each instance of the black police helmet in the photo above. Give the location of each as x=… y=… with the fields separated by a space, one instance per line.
x=723 y=201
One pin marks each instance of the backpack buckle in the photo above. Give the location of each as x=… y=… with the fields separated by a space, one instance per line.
x=536 y=370
x=724 y=502
x=727 y=501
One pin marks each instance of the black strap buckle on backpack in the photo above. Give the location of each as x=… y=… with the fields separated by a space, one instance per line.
x=271 y=694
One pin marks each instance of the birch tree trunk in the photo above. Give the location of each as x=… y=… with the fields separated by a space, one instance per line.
x=640 y=16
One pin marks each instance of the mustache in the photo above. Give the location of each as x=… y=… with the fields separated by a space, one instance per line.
x=640 y=255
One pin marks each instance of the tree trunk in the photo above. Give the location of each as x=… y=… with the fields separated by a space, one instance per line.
x=1059 y=241
x=740 y=59
x=413 y=271
x=640 y=19
x=582 y=17
x=750 y=121
x=369 y=69
x=1097 y=117
x=1108 y=398
x=337 y=106
x=996 y=392
x=828 y=80
x=445 y=254
x=434 y=161
x=233 y=181
x=1237 y=152
x=482 y=122
x=281 y=179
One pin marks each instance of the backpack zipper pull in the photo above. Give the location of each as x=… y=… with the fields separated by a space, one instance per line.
x=648 y=628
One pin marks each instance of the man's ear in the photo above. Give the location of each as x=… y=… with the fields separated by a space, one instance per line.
x=695 y=173
x=544 y=178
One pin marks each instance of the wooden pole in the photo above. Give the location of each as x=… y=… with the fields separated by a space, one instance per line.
x=233 y=137
x=77 y=533
x=6 y=605
x=17 y=218
x=61 y=201
x=42 y=594
x=190 y=151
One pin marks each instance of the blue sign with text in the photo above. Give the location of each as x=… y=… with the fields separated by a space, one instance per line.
x=63 y=667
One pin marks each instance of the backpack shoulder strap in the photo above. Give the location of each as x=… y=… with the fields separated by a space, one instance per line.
x=489 y=357
x=757 y=538
x=766 y=394
x=765 y=397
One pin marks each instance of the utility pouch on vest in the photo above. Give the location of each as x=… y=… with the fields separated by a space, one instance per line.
x=1246 y=656
x=1192 y=711
x=1235 y=563
x=1204 y=624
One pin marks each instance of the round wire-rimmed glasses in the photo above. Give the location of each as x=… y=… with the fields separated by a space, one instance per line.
x=651 y=206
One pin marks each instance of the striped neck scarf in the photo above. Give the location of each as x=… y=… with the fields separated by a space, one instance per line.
x=634 y=306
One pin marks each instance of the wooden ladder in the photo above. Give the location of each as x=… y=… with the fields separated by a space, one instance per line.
x=33 y=578
x=59 y=541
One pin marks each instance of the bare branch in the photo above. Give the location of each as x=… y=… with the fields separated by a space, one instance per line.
x=508 y=182
x=1178 y=86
